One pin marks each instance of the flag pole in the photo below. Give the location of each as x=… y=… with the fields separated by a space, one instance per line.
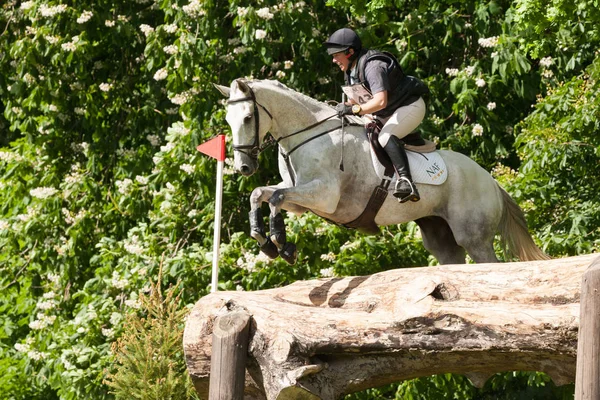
x=217 y=236
x=215 y=148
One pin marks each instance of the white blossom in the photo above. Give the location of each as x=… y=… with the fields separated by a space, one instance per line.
x=187 y=168
x=477 y=130
x=288 y=64
x=51 y=11
x=26 y=5
x=52 y=39
x=153 y=139
x=170 y=28
x=264 y=13
x=328 y=257
x=133 y=304
x=469 y=70
x=170 y=49
x=108 y=332
x=350 y=246
x=242 y=11
x=36 y=355
x=260 y=34
x=84 y=17
x=146 y=29
x=68 y=46
x=280 y=74
x=118 y=282
x=546 y=62
x=22 y=347
x=161 y=74
x=488 y=42
x=134 y=246
x=547 y=73
x=54 y=278
x=180 y=98
x=79 y=110
x=452 y=71
x=124 y=186
x=142 y=180
x=327 y=272
x=480 y=82
x=46 y=305
x=43 y=192
x=109 y=23
x=193 y=9
x=491 y=106
x=105 y=87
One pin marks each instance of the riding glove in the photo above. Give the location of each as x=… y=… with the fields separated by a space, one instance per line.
x=343 y=109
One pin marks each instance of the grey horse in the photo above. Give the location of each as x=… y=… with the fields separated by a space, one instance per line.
x=462 y=214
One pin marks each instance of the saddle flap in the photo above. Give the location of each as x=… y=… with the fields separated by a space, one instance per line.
x=426 y=165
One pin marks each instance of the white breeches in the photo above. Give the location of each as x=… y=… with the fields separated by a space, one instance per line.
x=403 y=121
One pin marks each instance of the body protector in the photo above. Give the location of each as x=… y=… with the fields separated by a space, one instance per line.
x=402 y=89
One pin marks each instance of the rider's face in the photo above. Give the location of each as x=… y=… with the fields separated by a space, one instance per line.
x=341 y=59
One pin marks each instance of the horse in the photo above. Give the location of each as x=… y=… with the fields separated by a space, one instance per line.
x=459 y=217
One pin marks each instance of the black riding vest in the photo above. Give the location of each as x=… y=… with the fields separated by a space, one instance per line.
x=404 y=89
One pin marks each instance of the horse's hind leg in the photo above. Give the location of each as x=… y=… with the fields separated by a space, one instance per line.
x=439 y=240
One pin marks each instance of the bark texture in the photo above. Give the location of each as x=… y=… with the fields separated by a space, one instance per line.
x=324 y=338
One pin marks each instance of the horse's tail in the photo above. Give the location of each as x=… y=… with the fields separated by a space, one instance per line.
x=516 y=240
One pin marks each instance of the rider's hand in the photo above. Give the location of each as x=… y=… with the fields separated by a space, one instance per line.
x=343 y=109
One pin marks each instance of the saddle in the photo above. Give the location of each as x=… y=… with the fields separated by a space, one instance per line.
x=413 y=142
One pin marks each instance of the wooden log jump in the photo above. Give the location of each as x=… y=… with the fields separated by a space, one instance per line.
x=324 y=338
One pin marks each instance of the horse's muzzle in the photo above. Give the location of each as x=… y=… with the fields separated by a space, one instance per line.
x=246 y=170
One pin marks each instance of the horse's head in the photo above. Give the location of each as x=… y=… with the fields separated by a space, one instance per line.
x=249 y=122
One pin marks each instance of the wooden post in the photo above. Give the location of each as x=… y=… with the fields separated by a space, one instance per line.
x=228 y=359
x=587 y=381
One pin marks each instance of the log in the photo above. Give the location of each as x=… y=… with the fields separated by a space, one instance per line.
x=228 y=361
x=324 y=338
x=587 y=384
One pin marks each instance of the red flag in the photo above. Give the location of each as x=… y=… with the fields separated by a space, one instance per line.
x=215 y=148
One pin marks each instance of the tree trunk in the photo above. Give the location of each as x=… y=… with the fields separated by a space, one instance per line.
x=324 y=338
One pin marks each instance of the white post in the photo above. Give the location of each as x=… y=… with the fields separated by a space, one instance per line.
x=217 y=238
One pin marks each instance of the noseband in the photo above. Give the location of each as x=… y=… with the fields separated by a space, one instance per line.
x=255 y=148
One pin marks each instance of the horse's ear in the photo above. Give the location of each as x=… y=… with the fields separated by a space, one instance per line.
x=243 y=86
x=223 y=89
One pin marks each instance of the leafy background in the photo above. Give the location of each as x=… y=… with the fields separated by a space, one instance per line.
x=103 y=195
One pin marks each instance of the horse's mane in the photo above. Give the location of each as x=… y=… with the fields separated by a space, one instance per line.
x=278 y=86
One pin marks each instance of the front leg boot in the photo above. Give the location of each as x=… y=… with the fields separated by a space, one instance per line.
x=257 y=231
x=277 y=230
x=289 y=253
x=270 y=249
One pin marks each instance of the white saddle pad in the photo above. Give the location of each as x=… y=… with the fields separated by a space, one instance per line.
x=428 y=168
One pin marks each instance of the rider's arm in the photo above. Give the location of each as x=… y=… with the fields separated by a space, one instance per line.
x=378 y=102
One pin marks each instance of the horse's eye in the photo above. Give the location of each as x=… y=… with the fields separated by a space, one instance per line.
x=247 y=118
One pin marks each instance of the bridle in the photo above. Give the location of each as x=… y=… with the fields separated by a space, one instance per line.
x=255 y=148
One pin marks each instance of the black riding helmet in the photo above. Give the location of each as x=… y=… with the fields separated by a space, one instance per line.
x=342 y=40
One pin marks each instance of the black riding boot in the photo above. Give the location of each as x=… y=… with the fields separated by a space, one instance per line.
x=405 y=189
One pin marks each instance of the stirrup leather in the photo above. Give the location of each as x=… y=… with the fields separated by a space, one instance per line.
x=404 y=196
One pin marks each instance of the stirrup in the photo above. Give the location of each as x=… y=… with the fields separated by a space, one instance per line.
x=403 y=197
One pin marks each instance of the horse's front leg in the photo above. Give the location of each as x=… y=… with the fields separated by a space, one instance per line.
x=257 y=226
x=316 y=196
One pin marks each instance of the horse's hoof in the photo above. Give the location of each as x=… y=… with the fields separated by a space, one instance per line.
x=289 y=253
x=270 y=249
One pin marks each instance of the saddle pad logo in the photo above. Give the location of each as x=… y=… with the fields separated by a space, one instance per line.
x=428 y=168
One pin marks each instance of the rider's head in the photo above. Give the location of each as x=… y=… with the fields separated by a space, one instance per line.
x=343 y=45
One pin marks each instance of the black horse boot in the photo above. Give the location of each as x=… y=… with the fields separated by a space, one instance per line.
x=405 y=189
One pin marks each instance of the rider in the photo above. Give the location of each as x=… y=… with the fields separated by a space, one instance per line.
x=377 y=85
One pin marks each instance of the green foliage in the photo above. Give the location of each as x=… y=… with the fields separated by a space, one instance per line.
x=148 y=356
x=101 y=107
